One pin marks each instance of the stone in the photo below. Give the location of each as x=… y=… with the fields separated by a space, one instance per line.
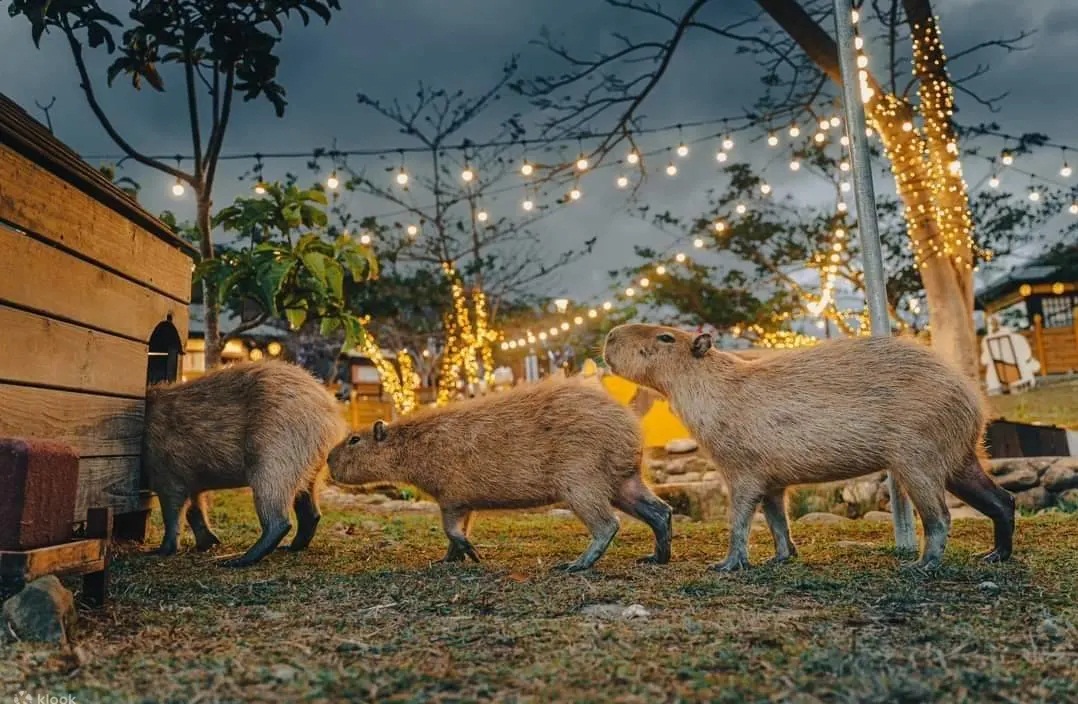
x=712 y=476
x=990 y=587
x=965 y=513
x=1062 y=475
x=284 y=673
x=702 y=501
x=635 y=611
x=1068 y=498
x=612 y=612
x=689 y=477
x=1018 y=478
x=1033 y=499
x=821 y=519
x=878 y=517
x=680 y=446
x=1006 y=465
x=860 y=492
x=44 y=612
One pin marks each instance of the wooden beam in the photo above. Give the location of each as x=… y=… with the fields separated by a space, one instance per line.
x=95 y=426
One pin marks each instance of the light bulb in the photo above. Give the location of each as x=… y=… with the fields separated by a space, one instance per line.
x=260 y=189
x=844 y=186
x=820 y=137
x=727 y=144
x=575 y=194
x=505 y=346
x=1066 y=171
x=645 y=282
x=842 y=207
x=835 y=121
x=907 y=126
x=1073 y=209
x=868 y=132
x=765 y=188
x=698 y=243
x=1007 y=158
x=553 y=332
x=660 y=270
x=332 y=183
x=482 y=216
x=682 y=150
x=862 y=61
x=402 y=177
x=994 y=182
x=845 y=141
x=837 y=246
x=565 y=326
x=542 y=336
x=844 y=166
x=795 y=131
x=719 y=226
x=840 y=233
x=740 y=209
x=680 y=257
x=526 y=169
x=721 y=157
x=623 y=181
x=671 y=169
x=578 y=320
x=593 y=313
x=582 y=164
x=528 y=204
x=835 y=257
x=795 y=165
x=772 y=140
x=824 y=124
x=1034 y=196
x=633 y=157
x=178 y=189
x=467 y=175
x=955 y=166
x=413 y=230
x=365 y=239
x=858 y=42
x=607 y=305
x=630 y=292
x=854 y=16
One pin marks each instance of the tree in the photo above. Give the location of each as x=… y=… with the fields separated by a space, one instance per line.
x=487 y=259
x=221 y=48
x=799 y=59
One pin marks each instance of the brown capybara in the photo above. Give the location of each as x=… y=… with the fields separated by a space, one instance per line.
x=534 y=445
x=833 y=411
x=268 y=425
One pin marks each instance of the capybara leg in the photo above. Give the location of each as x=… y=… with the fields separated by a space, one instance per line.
x=307 y=517
x=975 y=487
x=774 y=505
x=271 y=505
x=929 y=500
x=457 y=522
x=743 y=500
x=637 y=500
x=598 y=516
x=172 y=500
x=198 y=517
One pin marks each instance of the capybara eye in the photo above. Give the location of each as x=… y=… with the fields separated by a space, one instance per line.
x=666 y=337
x=354 y=440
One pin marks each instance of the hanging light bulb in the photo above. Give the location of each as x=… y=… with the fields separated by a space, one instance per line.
x=1007 y=158
x=907 y=126
x=1073 y=209
x=765 y=188
x=575 y=194
x=682 y=150
x=578 y=320
x=795 y=165
x=582 y=163
x=565 y=326
x=955 y=167
x=795 y=131
x=840 y=233
x=660 y=270
x=260 y=188
x=671 y=169
x=365 y=239
x=482 y=216
x=835 y=121
x=177 y=189
x=1034 y=196
x=844 y=186
x=528 y=204
x=772 y=140
x=542 y=336
x=719 y=226
x=854 y=16
x=607 y=305
x=592 y=313
x=633 y=157
x=645 y=282
x=858 y=43
x=629 y=292
x=740 y=209
x=1066 y=171
x=862 y=61
x=680 y=257
x=869 y=132
x=553 y=332
x=727 y=143
x=820 y=137
x=505 y=346
x=623 y=182
x=402 y=177
x=413 y=230
x=842 y=207
x=526 y=169
x=698 y=243
x=844 y=141
x=844 y=166
x=721 y=157
x=994 y=181
x=332 y=183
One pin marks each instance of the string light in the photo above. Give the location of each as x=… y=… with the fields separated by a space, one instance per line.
x=820 y=137
x=824 y=124
x=332 y=183
x=607 y=305
x=836 y=121
x=364 y=239
x=727 y=143
x=660 y=270
x=528 y=204
x=402 y=177
x=582 y=164
x=682 y=150
x=526 y=169
x=795 y=131
x=592 y=313
x=1007 y=158
x=844 y=141
x=482 y=216
x=1074 y=208
x=1066 y=170
x=844 y=186
x=260 y=188
x=719 y=226
x=645 y=282
x=671 y=169
x=994 y=181
x=1034 y=196
x=578 y=320
x=721 y=157
x=622 y=182
x=795 y=165
x=698 y=243
x=765 y=188
x=772 y=140
x=413 y=230
x=565 y=326
x=178 y=189
x=740 y=209
x=630 y=292
x=633 y=157
x=467 y=175
x=680 y=257
x=575 y=194
x=844 y=166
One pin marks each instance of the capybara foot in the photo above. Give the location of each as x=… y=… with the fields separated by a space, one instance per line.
x=922 y=566
x=653 y=560
x=165 y=550
x=572 y=567
x=781 y=559
x=207 y=543
x=241 y=561
x=733 y=563
x=995 y=556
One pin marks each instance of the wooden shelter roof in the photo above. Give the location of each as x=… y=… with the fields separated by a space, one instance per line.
x=1057 y=266
x=29 y=138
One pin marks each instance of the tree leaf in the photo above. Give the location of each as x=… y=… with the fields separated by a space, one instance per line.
x=316 y=264
x=296 y=317
x=335 y=278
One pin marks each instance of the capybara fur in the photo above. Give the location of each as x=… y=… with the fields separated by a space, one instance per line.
x=267 y=425
x=534 y=445
x=833 y=411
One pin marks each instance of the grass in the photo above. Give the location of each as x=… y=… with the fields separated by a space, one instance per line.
x=365 y=616
x=1055 y=403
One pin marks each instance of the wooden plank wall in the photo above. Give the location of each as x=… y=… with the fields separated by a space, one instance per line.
x=81 y=290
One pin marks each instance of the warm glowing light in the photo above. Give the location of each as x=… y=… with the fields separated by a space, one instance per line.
x=260 y=189
x=907 y=126
x=607 y=305
x=820 y=137
x=862 y=61
x=526 y=169
x=955 y=167
x=413 y=230
x=528 y=204
x=727 y=144
x=575 y=194
x=671 y=169
x=1034 y=196
x=1007 y=158
x=858 y=43
x=660 y=270
x=719 y=226
x=795 y=165
x=633 y=157
x=698 y=243
x=332 y=183
x=721 y=157
x=582 y=164
x=578 y=320
x=178 y=189
x=1066 y=171
x=765 y=188
x=365 y=239
x=994 y=182
x=772 y=140
x=623 y=181
x=565 y=326
x=842 y=207
x=840 y=233
x=593 y=313
x=844 y=166
x=795 y=130
x=844 y=186
x=402 y=177
x=740 y=209
x=542 y=336
x=682 y=150
x=835 y=121
x=855 y=16
x=467 y=175
x=1073 y=209
x=553 y=332
x=274 y=348
x=645 y=282
x=630 y=292
x=482 y=216
x=844 y=141
x=680 y=257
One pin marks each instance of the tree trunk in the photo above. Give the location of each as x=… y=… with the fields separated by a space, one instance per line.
x=209 y=290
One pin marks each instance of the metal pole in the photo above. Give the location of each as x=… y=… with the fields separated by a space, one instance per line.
x=868 y=229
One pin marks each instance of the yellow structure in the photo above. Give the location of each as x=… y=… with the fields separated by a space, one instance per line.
x=659 y=424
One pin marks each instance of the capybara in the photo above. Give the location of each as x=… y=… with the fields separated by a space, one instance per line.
x=268 y=425
x=534 y=445
x=833 y=411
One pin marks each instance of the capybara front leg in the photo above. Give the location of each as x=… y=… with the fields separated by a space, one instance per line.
x=599 y=517
x=743 y=500
x=637 y=500
x=271 y=505
x=774 y=506
x=307 y=517
x=172 y=500
x=457 y=522
x=198 y=517
x=974 y=487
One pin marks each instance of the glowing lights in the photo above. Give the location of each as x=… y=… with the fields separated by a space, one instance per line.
x=740 y=209
x=467 y=175
x=1066 y=170
x=582 y=163
x=622 y=182
x=413 y=230
x=994 y=181
x=607 y=305
x=721 y=157
x=645 y=282
x=633 y=157
x=592 y=313
x=260 y=188
x=671 y=169
x=682 y=150
x=575 y=194
x=402 y=177
x=727 y=143
x=795 y=165
x=795 y=131
x=698 y=243
x=907 y=126
x=819 y=137
x=680 y=257
x=765 y=188
x=526 y=169
x=333 y=183
x=719 y=226
x=1034 y=196
x=1007 y=158
x=844 y=166
x=630 y=292
x=178 y=189
x=660 y=270
x=528 y=204
x=482 y=216
x=772 y=140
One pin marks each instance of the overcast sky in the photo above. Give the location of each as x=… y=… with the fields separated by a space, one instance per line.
x=384 y=47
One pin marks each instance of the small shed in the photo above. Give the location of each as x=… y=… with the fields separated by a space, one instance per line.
x=93 y=305
x=1041 y=297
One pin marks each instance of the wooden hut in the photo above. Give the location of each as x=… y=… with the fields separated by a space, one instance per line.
x=93 y=304
x=1042 y=296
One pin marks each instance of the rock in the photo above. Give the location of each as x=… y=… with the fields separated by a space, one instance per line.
x=1069 y=498
x=681 y=445
x=712 y=476
x=689 y=477
x=965 y=513
x=860 y=492
x=675 y=467
x=1018 y=478
x=1033 y=499
x=283 y=673
x=681 y=518
x=560 y=513
x=819 y=518
x=44 y=611
x=990 y=587
x=1006 y=465
x=612 y=612
x=1062 y=475
x=702 y=501
x=1050 y=628
x=878 y=517
x=635 y=611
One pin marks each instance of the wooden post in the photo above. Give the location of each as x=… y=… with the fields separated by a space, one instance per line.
x=1038 y=340
x=95 y=585
x=1074 y=325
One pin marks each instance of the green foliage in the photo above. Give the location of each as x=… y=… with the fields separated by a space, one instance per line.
x=286 y=265
x=237 y=39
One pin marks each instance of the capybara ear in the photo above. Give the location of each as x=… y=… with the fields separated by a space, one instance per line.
x=380 y=433
x=700 y=345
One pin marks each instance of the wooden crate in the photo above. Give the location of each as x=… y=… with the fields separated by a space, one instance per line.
x=90 y=286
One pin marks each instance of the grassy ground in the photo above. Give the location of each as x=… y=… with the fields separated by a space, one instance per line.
x=363 y=615
x=1055 y=403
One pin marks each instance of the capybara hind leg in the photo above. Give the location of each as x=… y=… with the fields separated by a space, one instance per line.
x=637 y=500
x=774 y=506
x=929 y=500
x=172 y=500
x=271 y=504
x=308 y=515
x=743 y=501
x=457 y=522
x=198 y=517
x=974 y=487
x=598 y=516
